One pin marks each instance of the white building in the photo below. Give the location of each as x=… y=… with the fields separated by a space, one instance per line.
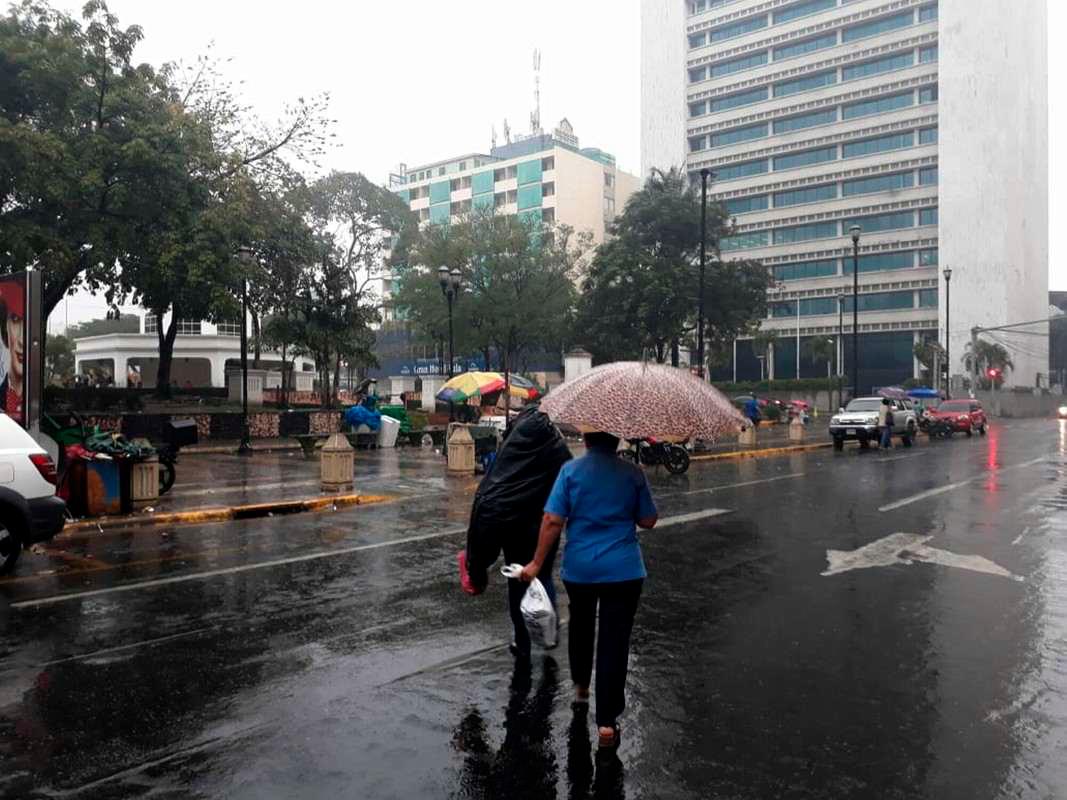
x=925 y=126
x=540 y=177
x=203 y=352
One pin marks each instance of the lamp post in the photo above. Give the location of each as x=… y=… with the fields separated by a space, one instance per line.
x=855 y=230
x=705 y=175
x=450 y=288
x=244 y=255
x=948 y=332
x=840 y=345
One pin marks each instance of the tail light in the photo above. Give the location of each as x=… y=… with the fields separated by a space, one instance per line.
x=45 y=465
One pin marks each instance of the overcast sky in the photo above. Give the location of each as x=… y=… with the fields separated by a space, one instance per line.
x=423 y=80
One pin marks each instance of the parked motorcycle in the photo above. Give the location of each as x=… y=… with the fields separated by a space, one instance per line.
x=651 y=453
x=935 y=428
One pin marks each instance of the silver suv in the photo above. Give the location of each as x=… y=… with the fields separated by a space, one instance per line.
x=859 y=421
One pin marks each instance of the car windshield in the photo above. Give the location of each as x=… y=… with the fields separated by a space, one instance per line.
x=954 y=407
x=864 y=405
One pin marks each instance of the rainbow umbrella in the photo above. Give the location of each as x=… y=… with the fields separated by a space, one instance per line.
x=470 y=384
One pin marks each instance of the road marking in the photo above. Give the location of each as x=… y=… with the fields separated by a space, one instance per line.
x=907 y=548
x=898 y=458
x=953 y=486
x=739 y=485
x=122 y=647
x=1020 y=537
x=666 y=522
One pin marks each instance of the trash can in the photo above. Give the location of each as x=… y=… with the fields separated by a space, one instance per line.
x=460 y=449
x=144 y=482
x=103 y=487
x=388 y=432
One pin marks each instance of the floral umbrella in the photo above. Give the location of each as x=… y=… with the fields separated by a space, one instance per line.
x=634 y=400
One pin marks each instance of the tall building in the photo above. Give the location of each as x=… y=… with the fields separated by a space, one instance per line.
x=926 y=126
x=540 y=177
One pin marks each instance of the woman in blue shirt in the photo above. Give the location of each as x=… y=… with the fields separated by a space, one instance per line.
x=603 y=500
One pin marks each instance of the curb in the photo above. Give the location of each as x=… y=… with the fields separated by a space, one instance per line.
x=229 y=513
x=196 y=450
x=763 y=452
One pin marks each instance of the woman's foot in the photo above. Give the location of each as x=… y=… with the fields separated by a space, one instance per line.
x=609 y=736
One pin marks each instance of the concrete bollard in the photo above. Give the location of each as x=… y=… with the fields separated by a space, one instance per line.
x=796 y=430
x=747 y=437
x=460 y=450
x=144 y=482
x=338 y=464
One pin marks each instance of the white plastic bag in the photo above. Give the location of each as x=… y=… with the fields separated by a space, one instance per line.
x=536 y=608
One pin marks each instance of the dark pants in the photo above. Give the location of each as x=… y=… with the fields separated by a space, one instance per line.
x=887 y=437
x=617 y=607
x=522 y=555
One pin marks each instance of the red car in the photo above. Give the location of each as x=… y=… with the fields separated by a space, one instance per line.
x=965 y=416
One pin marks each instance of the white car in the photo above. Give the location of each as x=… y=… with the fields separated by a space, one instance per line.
x=860 y=422
x=30 y=512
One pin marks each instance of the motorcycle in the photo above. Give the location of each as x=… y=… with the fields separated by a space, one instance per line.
x=652 y=453
x=935 y=428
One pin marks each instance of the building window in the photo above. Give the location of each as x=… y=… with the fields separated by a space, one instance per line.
x=927 y=54
x=928 y=94
x=928 y=216
x=228 y=329
x=882 y=222
x=698 y=39
x=697 y=74
x=609 y=179
x=928 y=176
x=802 y=10
x=746 y=205
x=440 y=192
x=928 y=13
x=513 y=196
x=548 y=216
x=548 y=189
x=928 y=258
x=737 y=65
x=805 y=121
x=803 y=233
x=697 y=109
x=697 y=143
x=705 y=5
x=454 y=184
x=609 y=207
x=529 y=196
x=188 y=327
x=500 y=199
x=548 y=163
x=739 y=28
x=928 y=298
x=817 y=81
x=878 y=66
x=882 y=262
x=736 y=135
x=151 y=323
x=806 y=46
x=744 y=170
x=880 y=105
x=462 y=166
x=881 y=144
x=883 y=301
x=810 y=194
x=805 y=159
x=499 y=175
x=805 y=270
x=744 y=241
x=814 y=307
x=879 y=183
x=439 y=213
x=877 y=26
x=928 y=136
x=742 y=99
x=440 y=171
x=512 y=172
x=424 y=214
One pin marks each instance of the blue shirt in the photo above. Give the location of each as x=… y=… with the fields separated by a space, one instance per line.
x=602 y=497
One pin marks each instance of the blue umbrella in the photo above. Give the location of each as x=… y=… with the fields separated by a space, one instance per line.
x=924 y=392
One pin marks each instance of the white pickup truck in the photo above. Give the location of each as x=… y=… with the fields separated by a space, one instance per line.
x=859 y=421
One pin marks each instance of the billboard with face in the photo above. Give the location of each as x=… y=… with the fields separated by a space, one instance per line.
x=13 y=347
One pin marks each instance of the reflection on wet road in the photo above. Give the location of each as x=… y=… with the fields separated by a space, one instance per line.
x=333 y=655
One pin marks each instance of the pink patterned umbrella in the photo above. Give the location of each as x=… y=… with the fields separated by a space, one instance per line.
x=634 y=400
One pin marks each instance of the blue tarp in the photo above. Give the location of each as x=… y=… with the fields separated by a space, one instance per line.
x=360 y=415
x=924 y=391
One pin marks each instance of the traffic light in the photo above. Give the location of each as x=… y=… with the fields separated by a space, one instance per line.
x=993 y=373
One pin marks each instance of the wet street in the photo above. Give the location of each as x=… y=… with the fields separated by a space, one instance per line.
x=817 y=625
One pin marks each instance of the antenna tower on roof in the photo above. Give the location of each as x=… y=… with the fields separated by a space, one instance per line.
x=535 y=117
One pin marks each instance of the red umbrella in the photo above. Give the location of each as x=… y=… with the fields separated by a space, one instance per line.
x=634 y=400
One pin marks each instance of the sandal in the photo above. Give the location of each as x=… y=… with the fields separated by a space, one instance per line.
x=609 y=741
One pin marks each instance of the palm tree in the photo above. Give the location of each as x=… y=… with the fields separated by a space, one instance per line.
x=982 y=356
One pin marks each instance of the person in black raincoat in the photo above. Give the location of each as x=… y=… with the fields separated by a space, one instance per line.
x=508 y=508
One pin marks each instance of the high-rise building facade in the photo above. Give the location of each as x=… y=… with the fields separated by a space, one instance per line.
x=923 y=124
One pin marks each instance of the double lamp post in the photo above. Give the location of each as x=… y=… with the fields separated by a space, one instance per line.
x=450 y=284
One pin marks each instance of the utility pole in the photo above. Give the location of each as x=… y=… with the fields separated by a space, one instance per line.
x=855 y=230
x=705 y=174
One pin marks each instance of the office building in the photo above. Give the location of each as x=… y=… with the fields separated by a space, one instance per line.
x=923 y=124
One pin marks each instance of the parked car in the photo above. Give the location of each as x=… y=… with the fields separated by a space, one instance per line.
x=30 y=512
x=965 y=416
x=859 y=422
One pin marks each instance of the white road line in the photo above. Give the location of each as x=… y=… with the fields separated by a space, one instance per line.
x=953 y=486
x=666 y=522
x=897 y=458
x=120 y=648
x=739 y=485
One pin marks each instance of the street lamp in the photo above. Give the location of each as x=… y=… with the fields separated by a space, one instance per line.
x=245 y=257
x=948 y=332
x=705 y=176
x=450 y=288
x=840 y=345
x=855 y=230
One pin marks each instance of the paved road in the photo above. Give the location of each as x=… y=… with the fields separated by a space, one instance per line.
x=332 y=655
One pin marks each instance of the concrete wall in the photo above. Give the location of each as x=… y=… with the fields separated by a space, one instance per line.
x=663 y=51
x=1014 y=405
x=994 y=172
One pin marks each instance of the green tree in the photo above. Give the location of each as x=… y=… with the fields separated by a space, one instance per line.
x=59 y=359
x=762 y=342
x=641 y=292
x=982 y=356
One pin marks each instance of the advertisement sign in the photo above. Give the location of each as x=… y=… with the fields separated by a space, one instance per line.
x=21 y=359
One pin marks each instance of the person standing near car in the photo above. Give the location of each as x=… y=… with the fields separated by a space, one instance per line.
x=603 y=500
x=752 y=411
x=885 y=423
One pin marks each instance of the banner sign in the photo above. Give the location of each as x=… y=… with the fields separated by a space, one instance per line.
x=21 y=352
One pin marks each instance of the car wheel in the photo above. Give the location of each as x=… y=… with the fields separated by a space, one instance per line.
x=677 y=460
x=167 y=475
x=969 y=432
x=839 y=443
x=10 y=547
x=981 y=430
